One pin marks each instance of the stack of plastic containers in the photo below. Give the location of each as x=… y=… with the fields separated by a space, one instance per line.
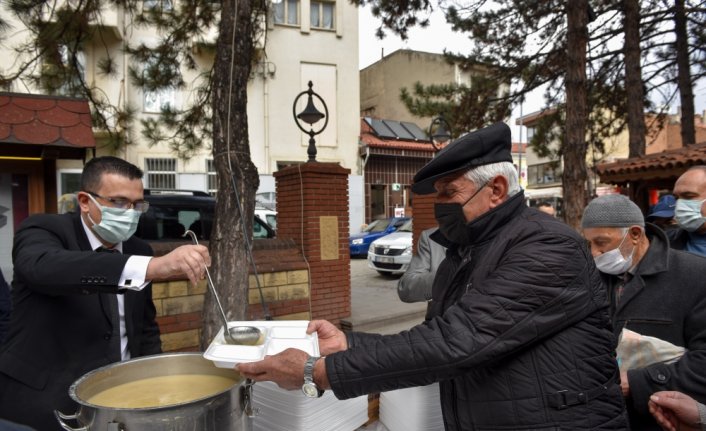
x=281 y=410
x=408 y=409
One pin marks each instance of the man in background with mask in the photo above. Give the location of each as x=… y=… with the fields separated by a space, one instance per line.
x=654 y=291
x=518 y=333
x=690 y=211
x=82 y=296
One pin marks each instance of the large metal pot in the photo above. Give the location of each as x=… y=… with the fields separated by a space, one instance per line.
x=228 y=410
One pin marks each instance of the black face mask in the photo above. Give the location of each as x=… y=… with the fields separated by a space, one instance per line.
x=452 y=221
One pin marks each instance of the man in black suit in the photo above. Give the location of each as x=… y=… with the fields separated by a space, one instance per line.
x=76 y=309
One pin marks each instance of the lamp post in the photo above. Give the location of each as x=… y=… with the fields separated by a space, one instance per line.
x=310 y=115
x=441 y=134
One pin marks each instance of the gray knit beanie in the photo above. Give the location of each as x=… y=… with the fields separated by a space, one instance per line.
x=612 y=211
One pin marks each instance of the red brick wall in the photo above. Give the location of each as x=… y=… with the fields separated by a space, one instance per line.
x=423 y=207
x=305 y=194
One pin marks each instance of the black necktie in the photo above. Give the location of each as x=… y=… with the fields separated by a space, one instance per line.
x=115 y=353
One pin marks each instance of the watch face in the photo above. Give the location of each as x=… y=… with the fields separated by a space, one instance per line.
x=310 y=390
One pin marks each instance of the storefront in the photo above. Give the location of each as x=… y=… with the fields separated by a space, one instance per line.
x=645 y=177
x=35 y=132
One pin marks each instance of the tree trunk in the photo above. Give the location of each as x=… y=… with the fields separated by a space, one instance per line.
x=231 y=154
x=686 y=93
x=574 y=150
x=633 y=78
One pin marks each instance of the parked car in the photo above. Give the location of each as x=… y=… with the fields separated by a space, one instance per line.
x=359 y=243
x=268 y=215
x=172 y=212
x=391 y=254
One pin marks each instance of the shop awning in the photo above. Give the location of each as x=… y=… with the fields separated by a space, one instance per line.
x=44 y=126
x=666 y=165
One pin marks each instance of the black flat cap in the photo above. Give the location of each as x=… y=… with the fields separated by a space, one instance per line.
x=482 y=147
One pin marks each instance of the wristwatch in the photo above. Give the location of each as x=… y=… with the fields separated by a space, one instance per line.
x=309 y=387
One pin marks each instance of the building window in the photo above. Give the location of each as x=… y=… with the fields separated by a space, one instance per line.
x=155 y=101
x=63 y=70
x=286 y=12
x=322 y=13
x=544 y=174
x=530 y=134
x=161 y=173
x=157 y=5
x=212 y=179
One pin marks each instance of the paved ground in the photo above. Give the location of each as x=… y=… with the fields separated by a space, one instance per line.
x=375 y=306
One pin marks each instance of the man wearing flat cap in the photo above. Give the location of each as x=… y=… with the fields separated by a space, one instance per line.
x=654 y=291
x=517 y=333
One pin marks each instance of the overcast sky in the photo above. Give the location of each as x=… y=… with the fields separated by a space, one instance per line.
x=437 y=37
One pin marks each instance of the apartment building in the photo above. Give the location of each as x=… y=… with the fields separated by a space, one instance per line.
x=307 y=40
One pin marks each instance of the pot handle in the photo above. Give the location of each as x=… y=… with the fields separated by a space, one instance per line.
x=246 y=399
x=62 y=417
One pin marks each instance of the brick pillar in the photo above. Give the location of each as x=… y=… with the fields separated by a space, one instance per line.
x=312 y=209
x=423 y=210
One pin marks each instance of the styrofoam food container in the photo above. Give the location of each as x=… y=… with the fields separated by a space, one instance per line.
x=279 y=335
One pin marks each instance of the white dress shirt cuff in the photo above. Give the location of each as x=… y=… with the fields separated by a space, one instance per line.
x=134 y=273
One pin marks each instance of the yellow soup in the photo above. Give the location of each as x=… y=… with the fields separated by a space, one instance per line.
x=161 y=391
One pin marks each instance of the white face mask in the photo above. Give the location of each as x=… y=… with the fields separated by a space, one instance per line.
x=612 y=262
x=688 y=214
x=117 y=224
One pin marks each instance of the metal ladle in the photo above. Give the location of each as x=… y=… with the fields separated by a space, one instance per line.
x=242 y=335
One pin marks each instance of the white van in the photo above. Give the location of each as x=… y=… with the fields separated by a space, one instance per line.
x=269 y=216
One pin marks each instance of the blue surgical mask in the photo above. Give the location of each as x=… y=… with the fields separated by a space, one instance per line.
x=688 y=214
x=117 y=224
x=613 y=262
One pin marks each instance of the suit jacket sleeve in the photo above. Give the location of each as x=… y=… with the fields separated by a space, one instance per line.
x=52 y=256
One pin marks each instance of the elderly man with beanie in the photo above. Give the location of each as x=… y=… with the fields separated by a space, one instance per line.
x=518 y=332
x=654 y=291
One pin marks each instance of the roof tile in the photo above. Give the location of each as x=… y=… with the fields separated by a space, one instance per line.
x=45 y=120
x=13 y=114
x=5 y=131
x=79 y=136
x=35 y=132
x=34 y=103
x=58 y=116
x=75 y=106
x=679 y=157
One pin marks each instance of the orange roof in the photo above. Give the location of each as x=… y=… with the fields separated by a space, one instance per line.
x=369 y=138
x=658 y=165
x=45 y=120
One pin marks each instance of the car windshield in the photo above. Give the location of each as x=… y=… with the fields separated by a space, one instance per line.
x=377 y=226
x=406 y=227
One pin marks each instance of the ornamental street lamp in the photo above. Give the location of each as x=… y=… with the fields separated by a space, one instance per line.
x=439 y=132
x=310 y=115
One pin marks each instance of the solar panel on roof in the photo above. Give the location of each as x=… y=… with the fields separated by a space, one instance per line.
x=399 y=131
x=381 y=129
x=415 y=131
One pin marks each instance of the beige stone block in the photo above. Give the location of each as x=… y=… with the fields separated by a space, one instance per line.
x=182 y=304
x=293 y=291
x=270 y=294
x=252 y=282
x=304 y=315
x=159 y=290
x=199 y=289
x=178 y=288
x=328 y=234
x=298 y=277
x=274 y=278
x=180 y=340
x=158 y=307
